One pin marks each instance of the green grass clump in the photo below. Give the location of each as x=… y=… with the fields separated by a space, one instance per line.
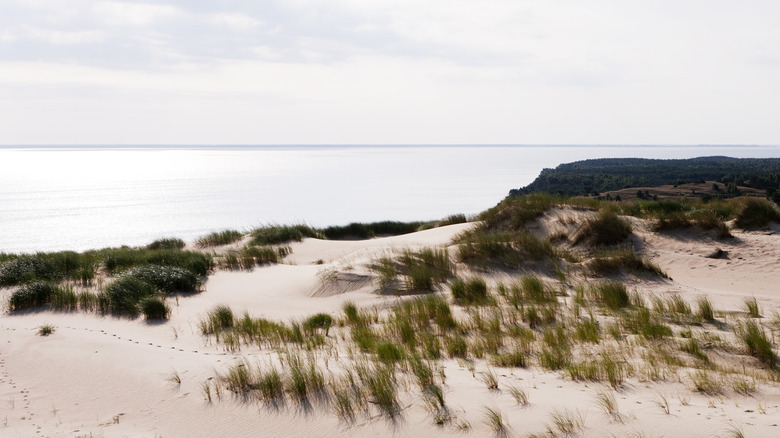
x=425 y=268
x=219 y=238
x=751 y=306
x=46 y=267
x=319 y=321
x=644 y=323
x=705 y=311
x=125 y=293
x=605 y=229
x=357 y=230
x=623 y=258
x=45 y=330
x=32 y=295
x=556 y=351
x=456 y=346
x=218 y=319
x=120 y=259
x=389 y=353
x=757 y=342
x=168 y=279
x=383 y=390
x=167 y=243
x=278 y=234
x=510 y=359
x=533 y=289
x=757 y=213
x=472 y=290
x=587 y=331
x=691 y=346
x=154 y=308
x=503 y=249
x=64 y=298
x=513 y=213
x=613 y=295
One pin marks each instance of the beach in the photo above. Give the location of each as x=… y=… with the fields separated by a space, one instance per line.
x=101 y=375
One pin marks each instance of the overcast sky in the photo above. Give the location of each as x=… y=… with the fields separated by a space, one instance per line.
x=389 y=71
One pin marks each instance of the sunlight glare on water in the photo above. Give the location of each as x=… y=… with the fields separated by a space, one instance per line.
x=82 y=198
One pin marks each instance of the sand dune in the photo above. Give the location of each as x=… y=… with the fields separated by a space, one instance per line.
x=107 y=376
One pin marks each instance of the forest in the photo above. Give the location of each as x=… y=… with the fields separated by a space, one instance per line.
x=592 y=177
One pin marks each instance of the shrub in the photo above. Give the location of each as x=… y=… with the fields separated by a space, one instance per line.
x=219 y=238
x=125 y=293
x=473 y=290
x=120 y=259
x=605 y=229
x=32 y=295
x=154 y=308
x=757 y=213
x=27 y=268
x=168 y=243
x=166 y=278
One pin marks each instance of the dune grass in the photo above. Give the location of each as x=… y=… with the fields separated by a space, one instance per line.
x=757 y=213
x=167 y=243
x=279 y=234
x=621 y=259
x=757 y=342
x=604 y=229
x=472 y=290
x=32 y=295
x=154 y=308
x=219 y=238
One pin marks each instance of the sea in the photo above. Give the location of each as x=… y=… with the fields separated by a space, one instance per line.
x=77 y=198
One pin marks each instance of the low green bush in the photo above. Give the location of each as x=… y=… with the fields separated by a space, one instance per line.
x=125 y=293
x=166 y=278
x=757 y=213
x=154 y=308
x=167 y=243
x=32 y=295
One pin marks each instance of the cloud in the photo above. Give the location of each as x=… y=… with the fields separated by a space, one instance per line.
x=390 y=70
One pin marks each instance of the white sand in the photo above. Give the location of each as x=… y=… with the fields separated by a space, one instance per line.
x=106 y=376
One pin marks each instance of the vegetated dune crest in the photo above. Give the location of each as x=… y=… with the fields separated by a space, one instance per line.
x=110 y=376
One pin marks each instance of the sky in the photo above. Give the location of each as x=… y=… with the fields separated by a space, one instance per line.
x=389 y=72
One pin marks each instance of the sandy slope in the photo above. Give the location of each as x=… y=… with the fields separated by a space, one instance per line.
x=106 y=376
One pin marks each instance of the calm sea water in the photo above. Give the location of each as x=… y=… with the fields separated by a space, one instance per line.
x=80 y=198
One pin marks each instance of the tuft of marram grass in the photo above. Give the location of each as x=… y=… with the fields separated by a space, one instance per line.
x=751 y=306
x=757 y=342
x=494 y=419
x=46 y=330
x=605 y=229
x=219 y=238
x=472 y=290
